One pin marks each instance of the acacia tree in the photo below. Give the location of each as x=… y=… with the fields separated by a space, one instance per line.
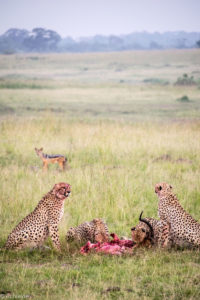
x=42 y=40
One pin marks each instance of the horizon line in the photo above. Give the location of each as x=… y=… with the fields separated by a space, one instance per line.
x=102 y=34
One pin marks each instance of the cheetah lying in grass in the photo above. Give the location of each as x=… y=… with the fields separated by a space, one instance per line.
x=184 y=230
x=94 y=231
x=33 y=230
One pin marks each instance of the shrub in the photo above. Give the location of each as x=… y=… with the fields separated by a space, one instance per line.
x=184 y=98
x=185 y=80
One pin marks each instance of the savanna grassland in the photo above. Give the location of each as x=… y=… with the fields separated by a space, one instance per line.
x=124 y=125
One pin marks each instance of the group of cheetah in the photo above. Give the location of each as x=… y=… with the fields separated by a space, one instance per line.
x=175 y=228
x=43 y=222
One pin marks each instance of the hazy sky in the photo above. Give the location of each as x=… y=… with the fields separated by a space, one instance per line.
x=89 y=17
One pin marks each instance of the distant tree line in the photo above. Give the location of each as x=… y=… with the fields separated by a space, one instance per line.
x=43 y=40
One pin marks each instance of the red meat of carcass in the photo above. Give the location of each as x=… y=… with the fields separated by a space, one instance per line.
x=115 y=246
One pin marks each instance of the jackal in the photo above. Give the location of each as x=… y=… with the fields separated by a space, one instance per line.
x=47 y=159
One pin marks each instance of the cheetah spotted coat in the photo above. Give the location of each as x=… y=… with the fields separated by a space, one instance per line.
x=94 y=231
x=184 y=230
x=33 y=230
x=160 y=232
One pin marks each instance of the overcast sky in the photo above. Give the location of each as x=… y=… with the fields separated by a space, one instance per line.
x=90 y=17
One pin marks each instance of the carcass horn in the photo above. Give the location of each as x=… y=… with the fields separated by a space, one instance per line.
x=148 y=224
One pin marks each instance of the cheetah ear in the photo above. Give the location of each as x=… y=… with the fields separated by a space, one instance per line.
x=54 y=191
x=170 y=186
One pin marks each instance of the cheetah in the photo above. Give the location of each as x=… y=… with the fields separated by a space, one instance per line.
x=33 y=230
x=94 y=231
x=184 y=230
x=150 y=232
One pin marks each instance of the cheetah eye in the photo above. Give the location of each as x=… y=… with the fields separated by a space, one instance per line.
x=133 y=228
x=143 y=230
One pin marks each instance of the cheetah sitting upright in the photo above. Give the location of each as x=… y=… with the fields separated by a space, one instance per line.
x=184 y=230
x=42 y=222
x=94 y=231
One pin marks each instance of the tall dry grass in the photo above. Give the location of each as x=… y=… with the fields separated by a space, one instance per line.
x=113 y=168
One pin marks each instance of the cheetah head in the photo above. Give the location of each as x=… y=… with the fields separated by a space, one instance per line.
x=73 y=235
x=61 y=190
x=96 y=222
x=162 y=187
x=143 y=231
x=140 y=233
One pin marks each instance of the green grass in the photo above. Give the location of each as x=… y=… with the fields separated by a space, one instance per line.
x=12 y=84
x=145 y=275
x=107 y=102
x=133 y=86
x=121 y=138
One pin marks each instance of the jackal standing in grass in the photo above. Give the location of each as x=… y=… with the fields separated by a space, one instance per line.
x=48 y=159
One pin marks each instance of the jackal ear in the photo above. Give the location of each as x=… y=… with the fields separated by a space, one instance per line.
x=41 y=149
